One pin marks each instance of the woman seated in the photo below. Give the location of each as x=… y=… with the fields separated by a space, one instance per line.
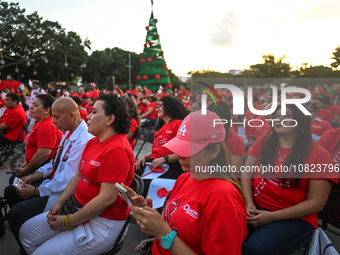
x=282 y=204
x=170 y=112
x=205 y=213
x=133 y=115
x=44 y=138
x=107 y=159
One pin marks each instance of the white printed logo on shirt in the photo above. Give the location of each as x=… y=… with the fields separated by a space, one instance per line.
x=190 y=212
x=183 y=129
x=94 y=163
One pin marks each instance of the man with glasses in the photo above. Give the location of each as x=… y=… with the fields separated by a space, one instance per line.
x=48 y=182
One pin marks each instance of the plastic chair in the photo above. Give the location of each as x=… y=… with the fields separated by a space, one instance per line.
x=331 y=211
x=149 y=137
x=138 y=134
x=138 y=187
x=8 y=150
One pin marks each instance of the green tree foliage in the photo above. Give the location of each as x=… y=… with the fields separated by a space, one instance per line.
x=210 y=74
x=336 y=57
x=42 y=42
x=111 y=62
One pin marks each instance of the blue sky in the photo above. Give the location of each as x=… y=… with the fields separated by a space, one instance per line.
x=214 y=34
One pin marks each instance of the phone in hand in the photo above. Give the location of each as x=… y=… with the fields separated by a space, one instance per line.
x=124 y=193
x=18 y=183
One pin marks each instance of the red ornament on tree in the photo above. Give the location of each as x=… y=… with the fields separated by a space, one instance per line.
x=147 y=27
x=150 y=43
x=162 y=52
x=149 y=59
x=165 y=68
x=145 y=45
x=156 y=20
x=157 y=76
x=169 y=86
x=138 y=77
x=157 y=35
x=142 y=60
x=145 y=77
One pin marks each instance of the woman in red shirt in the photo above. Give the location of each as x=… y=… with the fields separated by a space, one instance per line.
x=205 y=213
x=107 y=159
x=133 y=115
x=281 y=204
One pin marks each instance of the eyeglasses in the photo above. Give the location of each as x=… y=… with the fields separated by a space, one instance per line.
x=281 y=117
x=159 y=106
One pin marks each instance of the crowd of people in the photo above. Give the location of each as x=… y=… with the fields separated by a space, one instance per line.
x=82 y=144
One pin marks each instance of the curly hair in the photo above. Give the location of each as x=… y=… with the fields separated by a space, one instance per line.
x=173 y=108
x=116 y=106
x=132 y=110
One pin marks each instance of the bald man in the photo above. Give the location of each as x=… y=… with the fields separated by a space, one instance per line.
x=36 y=199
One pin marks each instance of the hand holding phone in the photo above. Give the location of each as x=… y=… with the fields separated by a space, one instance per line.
x=18 y=183
x=124 y=194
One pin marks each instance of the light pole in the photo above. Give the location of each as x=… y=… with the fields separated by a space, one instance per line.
x=129 y=66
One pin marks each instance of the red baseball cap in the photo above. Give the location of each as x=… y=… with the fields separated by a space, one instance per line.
x=191 y=139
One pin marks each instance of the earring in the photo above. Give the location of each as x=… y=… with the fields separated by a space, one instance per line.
x=108 y=124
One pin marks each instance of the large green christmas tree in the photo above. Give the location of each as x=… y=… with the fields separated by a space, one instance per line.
x=153 y=71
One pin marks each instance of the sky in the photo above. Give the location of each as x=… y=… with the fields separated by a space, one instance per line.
x=213 y=35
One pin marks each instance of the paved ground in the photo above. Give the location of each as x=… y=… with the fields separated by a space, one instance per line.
x=8 y=245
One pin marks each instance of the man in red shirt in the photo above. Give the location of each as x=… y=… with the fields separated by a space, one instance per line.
x=149 y=113
x=183 y=92
x=119 y=91
x=333 y=108
x=323 y=114
x=89 y=106
x=147 y=91
x=12 y=121
x=93 y=92
x=141 y=106
x=81 y=93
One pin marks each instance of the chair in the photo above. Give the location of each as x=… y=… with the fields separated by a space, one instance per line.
x=149 y=137
x=138 y=134
x=8 y=150
x=138 y=187
x=331 y=211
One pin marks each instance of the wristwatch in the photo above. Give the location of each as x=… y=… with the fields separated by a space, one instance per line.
x=167 y=240
x=166 y=157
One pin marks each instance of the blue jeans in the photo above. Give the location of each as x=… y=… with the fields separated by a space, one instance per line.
x=279 y=237
x=149 y=123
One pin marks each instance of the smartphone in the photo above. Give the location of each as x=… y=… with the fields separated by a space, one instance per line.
x=18 y=183
x=124 y=193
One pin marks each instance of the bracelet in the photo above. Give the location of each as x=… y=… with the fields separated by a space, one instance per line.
x=34 y=195
x=66 y=223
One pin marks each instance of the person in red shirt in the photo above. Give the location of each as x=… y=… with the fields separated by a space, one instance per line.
x=82 y=93
x=149 y=114
x=89 y=106
x=186 y=102
x=82 y=111
x=72 y=93
x=44 y=138
x=93 y=92
x=183 y=92
x=333 y=108
x=318 y=126
x=205 y=213
x=107 y=159
x=2 y=102
x=12 y=121
x=141 y=106
x=134 y=118
x=323 y=114
x=148 y=92
x=170 y=113
x=281 y=204
x=119 y=91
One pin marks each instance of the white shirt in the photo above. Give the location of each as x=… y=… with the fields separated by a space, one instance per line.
x=68 y=165
x=39 y=91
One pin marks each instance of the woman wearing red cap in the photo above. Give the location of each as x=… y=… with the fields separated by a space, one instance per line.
x=281 y=204
x=205 y=213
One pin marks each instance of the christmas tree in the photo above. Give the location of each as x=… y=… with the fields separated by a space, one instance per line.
x=153 y=71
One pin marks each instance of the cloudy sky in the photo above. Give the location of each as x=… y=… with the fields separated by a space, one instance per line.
x=216 y=34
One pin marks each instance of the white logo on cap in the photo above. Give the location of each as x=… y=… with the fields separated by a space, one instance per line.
x=183 y=129
x=213 y=136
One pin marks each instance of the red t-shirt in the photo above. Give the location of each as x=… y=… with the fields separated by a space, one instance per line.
x=93 y=94
x=43 y=135
x=333 y=108
x=183 y=92
x=268 y=193
x=235 y=143
x=148 y=92
x=325 y=115
x=187 y=105
x=133 y=127
x=83 y=114
x=2 y=102
x=162 y=136
x=153 y=114
x=141 y=107
x=15 y=119
x=89 y=108
x=208 y=215
x=109 y=161
x=255 y=127
x=320 y=126
x=329 y=141
x=82 y=95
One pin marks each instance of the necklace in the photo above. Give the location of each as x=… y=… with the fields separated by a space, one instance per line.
x=282 y=157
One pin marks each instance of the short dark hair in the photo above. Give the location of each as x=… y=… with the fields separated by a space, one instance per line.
x=46 y=100
x=13 y=96
x=116 y=106
x=84 y=97
x=76 y=99
x=91 y=98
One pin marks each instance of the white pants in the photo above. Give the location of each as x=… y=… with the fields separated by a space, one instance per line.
x=37 y=237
